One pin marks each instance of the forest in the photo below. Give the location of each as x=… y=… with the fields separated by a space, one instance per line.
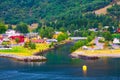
x=31 y=11
x=67 y=14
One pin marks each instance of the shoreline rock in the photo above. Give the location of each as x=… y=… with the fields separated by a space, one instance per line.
x=24 y=58
x=94 y=55
x=35 y=57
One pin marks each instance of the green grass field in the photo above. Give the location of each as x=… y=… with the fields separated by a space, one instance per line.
x=20 y=50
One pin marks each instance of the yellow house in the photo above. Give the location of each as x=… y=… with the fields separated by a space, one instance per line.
x=57 y=34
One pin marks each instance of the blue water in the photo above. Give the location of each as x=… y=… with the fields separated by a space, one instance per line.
x=60 y=67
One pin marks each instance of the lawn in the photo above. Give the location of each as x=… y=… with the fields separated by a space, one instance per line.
x=21 y=51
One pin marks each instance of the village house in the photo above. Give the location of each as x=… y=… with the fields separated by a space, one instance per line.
x=15 y=37
x=12 y=37
x=93 y=29
x=1 y=39
x=32 y=35
x=51 y=40
x=78 y=38
x=57 y=33
x=20 y=38
x=116 y=41
x=118 y=30
x=10 y=33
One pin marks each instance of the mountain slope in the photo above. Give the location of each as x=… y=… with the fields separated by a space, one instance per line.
x=104 y=10
x=30 y=11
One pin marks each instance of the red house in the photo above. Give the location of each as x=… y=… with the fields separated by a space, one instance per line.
x=21 y=38
x=118 y=30
x=1 y=38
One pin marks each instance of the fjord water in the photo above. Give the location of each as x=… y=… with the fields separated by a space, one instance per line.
x=61 y=67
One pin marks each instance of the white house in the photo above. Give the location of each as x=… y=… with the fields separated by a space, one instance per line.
x=116 y=41
x=51 y=40
x=93 y=29
x=1 y=41
x=10 y=33
x=78 y=38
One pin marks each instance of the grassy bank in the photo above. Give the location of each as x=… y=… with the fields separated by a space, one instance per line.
x=21 y=51
x=98 y=53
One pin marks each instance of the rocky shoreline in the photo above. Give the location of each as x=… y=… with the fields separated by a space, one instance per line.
x=96 y=54
x=24 y=58
x=84 y=57
x=36 y=57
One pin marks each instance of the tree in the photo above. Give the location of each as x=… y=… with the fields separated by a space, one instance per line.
x=84 y=33
x=107 y=35
x=22 y=27
x=62 y=29
x=17 y=40
x=79 y=44
x=26 y=45
x=46 y=32
x=32 y=45
x=62 y=37
x=3 y=28
x=116 y=36
x=10 y=26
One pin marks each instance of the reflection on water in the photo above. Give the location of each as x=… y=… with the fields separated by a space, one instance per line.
x=84 y=68
x=32 y=63
x=61 y=67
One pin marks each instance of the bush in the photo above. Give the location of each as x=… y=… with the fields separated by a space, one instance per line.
x=32 y=45
x=101 y=40
x=5 y=43
x=51 y=45
x=26 y=45
x=17 y=40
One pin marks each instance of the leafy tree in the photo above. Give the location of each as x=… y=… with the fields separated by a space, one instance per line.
x=62 y=37
x=10 y=26
x=31 y=11
x=62 y=29
x=22 y=27
x=3 y=28
x=46 y=32
x=5 y=43
x=78 y=44
x=26 y=45
x=17 y=40
x=114 y=11
x=116 y=36
x=51 y=45
x=107 y=35
x=32 y=45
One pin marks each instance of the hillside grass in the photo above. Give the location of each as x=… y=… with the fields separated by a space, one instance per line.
x=104 y=10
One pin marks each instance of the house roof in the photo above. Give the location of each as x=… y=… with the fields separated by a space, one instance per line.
x=1 y=38
x=116 y=41
x=21 y=38
x=51 y=40
x=118 y=30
